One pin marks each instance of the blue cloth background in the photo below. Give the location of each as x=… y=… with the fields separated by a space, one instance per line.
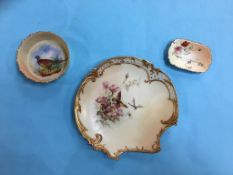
x=38 y=135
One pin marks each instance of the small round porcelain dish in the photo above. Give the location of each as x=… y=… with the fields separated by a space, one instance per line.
x=189 y=55
x=125 y=104
x=43 y=57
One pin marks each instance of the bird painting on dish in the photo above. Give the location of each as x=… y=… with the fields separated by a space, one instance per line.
x=47 y=59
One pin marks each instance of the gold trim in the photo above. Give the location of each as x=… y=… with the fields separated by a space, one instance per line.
x=153 y=74
x=34 y=34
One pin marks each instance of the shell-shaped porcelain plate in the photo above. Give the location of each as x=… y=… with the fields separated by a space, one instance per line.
x=43 y=57
x=189 y=55
x=125 y=105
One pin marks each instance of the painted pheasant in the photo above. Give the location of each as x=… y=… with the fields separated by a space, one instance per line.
x=49 y=67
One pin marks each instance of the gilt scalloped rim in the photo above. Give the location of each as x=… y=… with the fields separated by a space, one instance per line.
x=42 y=57
x=153 y=75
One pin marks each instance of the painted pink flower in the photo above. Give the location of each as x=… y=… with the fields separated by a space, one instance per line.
x=114 y=114
x=99 y=99
x=114 y=88
x=178 y=49
x=109 y=114
x=110 y=105
x=102 y=100
x=120 y=112
x=105 y=85
x=108 y=109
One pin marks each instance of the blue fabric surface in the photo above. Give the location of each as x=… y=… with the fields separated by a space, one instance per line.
x=38 y=134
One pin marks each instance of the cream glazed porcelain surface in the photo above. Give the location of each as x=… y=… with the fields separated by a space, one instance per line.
x=189 y=55
x=125 y=105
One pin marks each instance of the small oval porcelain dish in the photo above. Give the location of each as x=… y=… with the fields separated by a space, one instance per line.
x=125 y=105
x=189 y=55
x=43 y=57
